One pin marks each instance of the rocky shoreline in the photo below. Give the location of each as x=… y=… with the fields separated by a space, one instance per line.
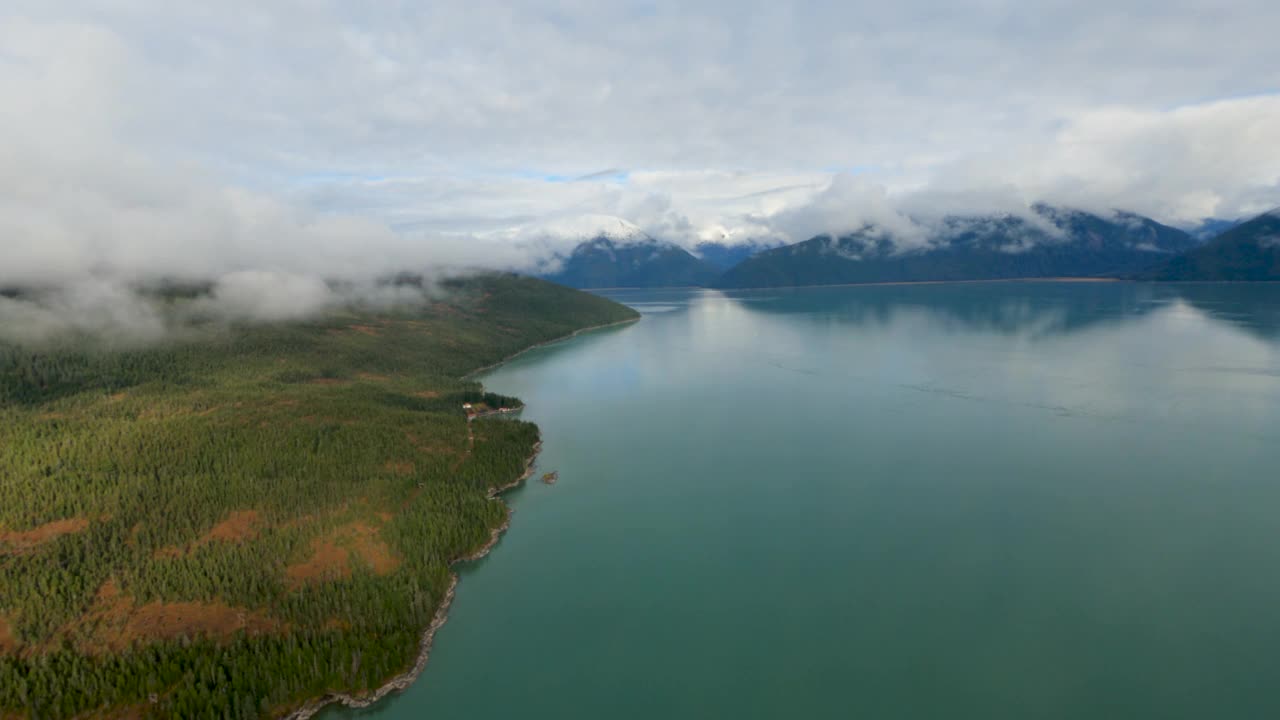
x=403 y=681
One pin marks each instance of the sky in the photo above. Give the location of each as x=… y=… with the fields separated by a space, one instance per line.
x=299 y=139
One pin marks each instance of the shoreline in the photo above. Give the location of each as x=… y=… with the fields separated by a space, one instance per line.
x=545 y=343
x=405 y=680
x=402 y=682
x=883 y=283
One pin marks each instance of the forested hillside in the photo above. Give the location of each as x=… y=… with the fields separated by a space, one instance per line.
x=1057 y=243
x=233 y=524
x=1248 y=251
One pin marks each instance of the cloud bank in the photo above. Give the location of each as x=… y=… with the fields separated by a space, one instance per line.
x=317 y=141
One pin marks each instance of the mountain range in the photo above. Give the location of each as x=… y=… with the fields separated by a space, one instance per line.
x=1248 y=251
x=723 y=256
x=1212 y=227
x=608 y=262
x=1046 y=242
x=1051 y=242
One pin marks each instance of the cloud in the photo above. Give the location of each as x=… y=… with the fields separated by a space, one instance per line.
x=847 y=203
x=323 y=141
x=1178 y=165
x=113 y=313
x=82 y=200
x=103 y=310
x=1216 y=159
x=268 y=296
x=87 y=201
x=566 y=88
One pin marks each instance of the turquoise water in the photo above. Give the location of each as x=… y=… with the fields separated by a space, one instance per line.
x=1010 y=500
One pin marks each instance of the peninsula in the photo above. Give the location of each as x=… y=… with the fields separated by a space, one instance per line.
x=248 y=521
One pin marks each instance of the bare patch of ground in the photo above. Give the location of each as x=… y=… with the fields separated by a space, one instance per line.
x=134 y=532
x=366 y=330
x=373 y=377
x=8 y=643
x=327 y=562
x=239 y=526
x=115 y=622
x=170 y=621
x=399 y=468
x=334 y=554
x=441 y=308
x=427 y=394
x=172 y=410
x=16 y=542
x=368 y=545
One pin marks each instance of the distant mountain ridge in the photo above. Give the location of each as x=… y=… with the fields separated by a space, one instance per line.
x=1052 y=242
x=636 y=261
x=1210 y=228
x=723 y=256
x=1249 y=251
x=1047 y=242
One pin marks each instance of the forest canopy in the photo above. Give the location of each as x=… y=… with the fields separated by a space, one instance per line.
x=233 y=524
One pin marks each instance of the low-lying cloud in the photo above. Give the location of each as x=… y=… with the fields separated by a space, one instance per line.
x=112 y=313
x=292 y=161
x=104 y=311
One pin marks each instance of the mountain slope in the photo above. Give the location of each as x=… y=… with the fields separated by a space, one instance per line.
x=723 y=256
x=604 y=262
x=1211 y=228
x=1249 y=251
x=1055 y=243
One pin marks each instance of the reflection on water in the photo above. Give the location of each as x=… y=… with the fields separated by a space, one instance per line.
x=1033 y=309
x=994 y=500
x=1253 y=307
x=1101 y=350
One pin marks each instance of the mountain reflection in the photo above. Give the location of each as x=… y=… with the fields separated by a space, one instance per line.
x=1030 y=310
x=1252 y=307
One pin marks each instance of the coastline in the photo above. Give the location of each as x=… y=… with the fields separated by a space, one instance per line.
x=406 y=679
x=883 y=283
x=545 y=343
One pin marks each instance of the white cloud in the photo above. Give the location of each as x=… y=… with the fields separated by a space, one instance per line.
x=1216 y=159
x=319 y=139
x=95 y=308
x=269 y=296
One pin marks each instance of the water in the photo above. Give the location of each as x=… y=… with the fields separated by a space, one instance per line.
x=1009 y=500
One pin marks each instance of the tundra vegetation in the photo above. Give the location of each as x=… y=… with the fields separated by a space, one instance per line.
x=233 y=523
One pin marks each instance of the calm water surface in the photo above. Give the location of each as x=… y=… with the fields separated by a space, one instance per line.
x=1014 y=500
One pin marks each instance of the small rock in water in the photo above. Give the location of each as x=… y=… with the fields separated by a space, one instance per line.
x=550 y=478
